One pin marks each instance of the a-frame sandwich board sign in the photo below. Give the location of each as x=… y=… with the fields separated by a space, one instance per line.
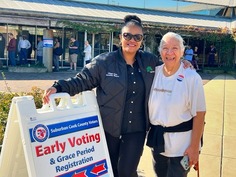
x=64 y=140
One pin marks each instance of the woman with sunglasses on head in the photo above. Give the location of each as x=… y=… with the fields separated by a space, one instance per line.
x=122 y=79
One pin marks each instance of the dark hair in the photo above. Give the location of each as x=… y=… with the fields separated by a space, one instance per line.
x=73 y=37
x=58 y=39
x=132 y=20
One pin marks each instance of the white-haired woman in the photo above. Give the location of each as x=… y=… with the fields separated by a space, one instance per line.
x=177 y=109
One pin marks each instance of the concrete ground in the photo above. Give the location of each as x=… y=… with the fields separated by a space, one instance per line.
x=218 y=158
x=23 y=82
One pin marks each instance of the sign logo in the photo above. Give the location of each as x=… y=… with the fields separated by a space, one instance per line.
x=40 y=133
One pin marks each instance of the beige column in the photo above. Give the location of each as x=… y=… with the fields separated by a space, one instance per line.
x=48 y=49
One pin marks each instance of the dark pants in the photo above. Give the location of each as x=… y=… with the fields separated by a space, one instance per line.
x=211 y=60
x=11 y=55
x=56 y=62
x=40 y=59
x=168 y=166
x=125 y=153
x=23 y=56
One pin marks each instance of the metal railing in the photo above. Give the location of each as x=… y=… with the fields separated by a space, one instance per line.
x=17 y=60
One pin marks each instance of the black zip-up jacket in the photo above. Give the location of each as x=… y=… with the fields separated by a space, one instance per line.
x=108 y=74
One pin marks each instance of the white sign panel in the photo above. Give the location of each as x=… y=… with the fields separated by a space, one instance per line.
x=65 y=141
x=68 y=148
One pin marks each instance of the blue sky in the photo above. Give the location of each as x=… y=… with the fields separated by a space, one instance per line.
x=140 y=3
x=172 y=5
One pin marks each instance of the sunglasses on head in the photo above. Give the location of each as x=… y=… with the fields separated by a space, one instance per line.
x=129 y=36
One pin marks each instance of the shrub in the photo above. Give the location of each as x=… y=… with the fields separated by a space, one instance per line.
x=5 y=102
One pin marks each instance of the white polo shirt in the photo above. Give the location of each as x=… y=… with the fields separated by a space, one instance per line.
x=173 y=100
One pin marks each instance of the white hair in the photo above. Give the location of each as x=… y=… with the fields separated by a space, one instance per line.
x=175 y=36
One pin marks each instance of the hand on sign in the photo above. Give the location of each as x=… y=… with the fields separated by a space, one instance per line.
x=47 y=93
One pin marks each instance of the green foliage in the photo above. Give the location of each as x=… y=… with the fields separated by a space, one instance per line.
x=224 y=44
x=223 y=38
x=5 y=102
x=220 y=70
x=91 y=26
x=227 y=45
x=37 y=93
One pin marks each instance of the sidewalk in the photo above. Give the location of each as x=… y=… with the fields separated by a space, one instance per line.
x=23 y=82
x=218 y=157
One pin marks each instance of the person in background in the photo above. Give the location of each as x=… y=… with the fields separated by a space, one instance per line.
x=177 y=109
x=87 y=52
x=23 y=46
x=2 y=48
x=40 y=51
x=211 y=58
x=18 y=46
x=2 y=45
x=122 y=79
x=73 y=53
x=12 y=50
x=56 y=56
x=195 y=58
x=188 y=54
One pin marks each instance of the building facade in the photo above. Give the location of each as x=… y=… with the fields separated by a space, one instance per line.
x=31 y=17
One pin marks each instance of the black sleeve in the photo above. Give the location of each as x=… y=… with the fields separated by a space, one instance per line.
x=87 y=79
x=57 y=86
